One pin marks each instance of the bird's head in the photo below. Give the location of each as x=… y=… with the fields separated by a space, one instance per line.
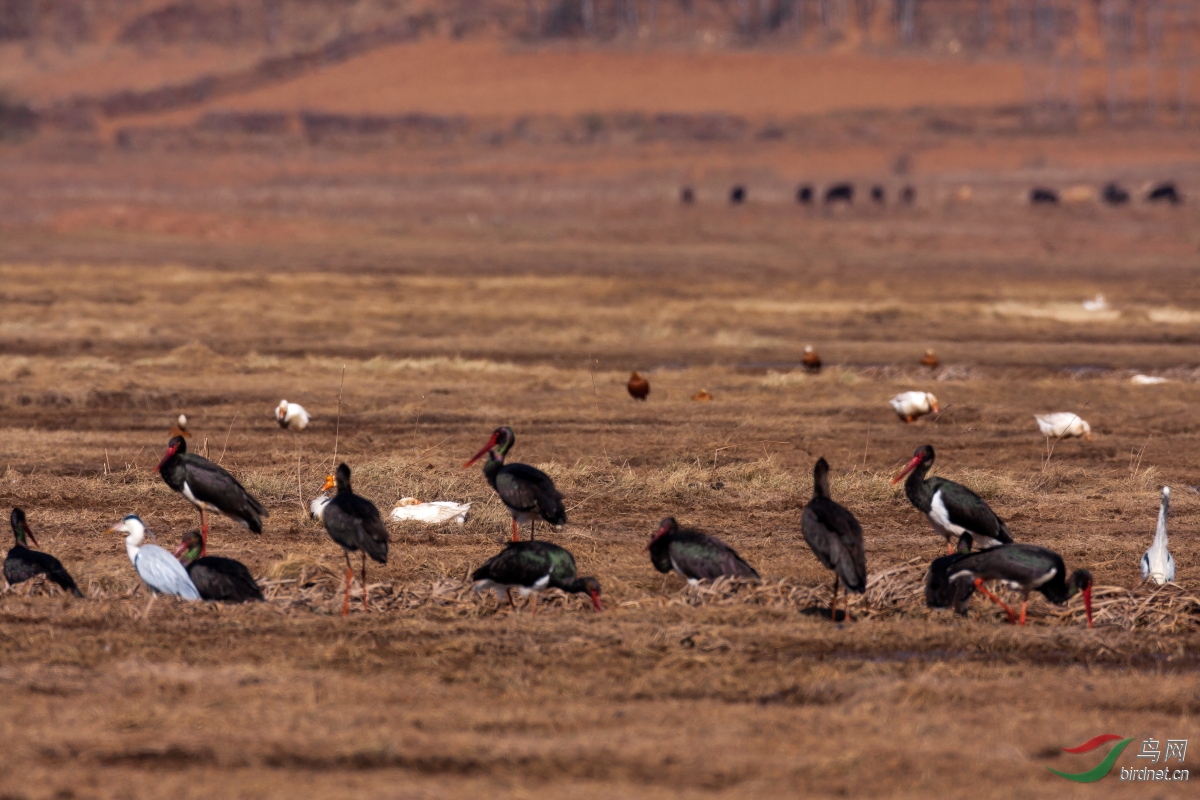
x=281 y=410
x=592 y=587
x=190 y=548
x=668 y=525
x=1081 y=581
x=502 y=439
x=1087 y=431
x=177 y=445
x=966 y=542
x=20 y=527
x=922 y=455
x=933 y=401
x=134 y=529
x=340 y=479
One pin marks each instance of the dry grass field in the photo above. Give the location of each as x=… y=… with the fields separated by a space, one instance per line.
x=461 y=288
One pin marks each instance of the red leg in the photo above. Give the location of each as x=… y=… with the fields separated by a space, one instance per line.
x=949 y=547
x=516 y=531
x=1024 y=602
x=983 y=589
x=508 y=594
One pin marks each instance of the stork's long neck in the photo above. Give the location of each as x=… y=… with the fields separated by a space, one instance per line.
x=492 y=466
x=1160 y=534
x=920 y=493
x=131 y=549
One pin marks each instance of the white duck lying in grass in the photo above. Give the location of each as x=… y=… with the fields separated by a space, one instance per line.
x=435 y=513
x=910 y=405
x=1063 y=425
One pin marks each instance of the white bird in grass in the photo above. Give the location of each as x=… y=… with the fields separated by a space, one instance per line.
x=1098 y=303
x=1147 y=380
x=433 y=513
x=1063 y=425
x=1157 y=565
x=316 y=509
x=910 y=405
x=291 y=416
x=157 y=568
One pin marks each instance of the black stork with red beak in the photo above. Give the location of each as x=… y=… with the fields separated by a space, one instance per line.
x=21 y=564
x=354 y=523
x=1025 y=567
x=216 y=578
x=209 y=488
x=531 y=567
x=526 y=491
x=835 y=537
x=694 y=555
x=952 y=508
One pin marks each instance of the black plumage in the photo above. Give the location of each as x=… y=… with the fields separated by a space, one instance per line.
x=533 y=566
x=952 y=508
x=21 y=563
x=528 y=493
x=354 y=523
x=835 y=537
x=695 y=555
x=217 y=578
x=1028 y=568
x=208 y=487
x=940 y=590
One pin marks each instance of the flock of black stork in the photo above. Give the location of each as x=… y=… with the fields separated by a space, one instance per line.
x=980 y=547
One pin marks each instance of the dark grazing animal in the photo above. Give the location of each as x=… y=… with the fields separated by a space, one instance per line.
x=839 y=193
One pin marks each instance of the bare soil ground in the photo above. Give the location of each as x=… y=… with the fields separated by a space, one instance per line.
x=461 y=289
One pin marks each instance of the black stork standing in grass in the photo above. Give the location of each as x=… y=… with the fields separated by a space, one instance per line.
x=694 y=555
x=1025 y=567
x=952 y=508
x=216 y=578
x=531 y=567
x=209 y=488
x=21 y=564
x=354 y=523
x=526 y=491
x=835 y=537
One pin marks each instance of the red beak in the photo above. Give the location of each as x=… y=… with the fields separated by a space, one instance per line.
x=491 y=443
x=654 y=539
x=596 y=601
x=909 y=467
x=183 y=546
x=170 y=452
x=30 y=536
x=1087 y=604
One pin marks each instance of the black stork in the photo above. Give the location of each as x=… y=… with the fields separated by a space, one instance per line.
x=940 y=591
x=696 y=556
x=526 y=491
x=209 y=488
x=531 y=567
x=1027 y=568
x=21 y=564
x=216 y=578
x=835 y=537
x=952 y=508
x=354 y=523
